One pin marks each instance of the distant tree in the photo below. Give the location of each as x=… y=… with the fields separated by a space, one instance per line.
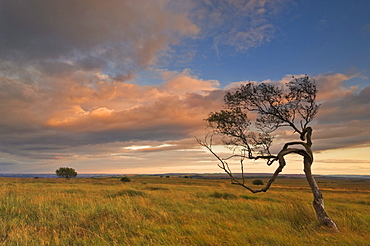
x=125 y=179
x=257 y=182
x=273 y=106
x=66 y=172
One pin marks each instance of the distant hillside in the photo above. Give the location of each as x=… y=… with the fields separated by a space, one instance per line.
x=33 y=175
x=189 y=175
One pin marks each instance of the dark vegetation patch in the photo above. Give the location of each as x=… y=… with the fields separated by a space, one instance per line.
x=270 y=199
x=362 y=202
x=125 y=179
x=257 y=182
x=101 y=183
x=126 y=193
x=74 y=191
x=249 y=197
x=155 y=188
x=223 y=195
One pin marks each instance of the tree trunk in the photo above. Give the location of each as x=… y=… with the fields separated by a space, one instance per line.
x=318 y=202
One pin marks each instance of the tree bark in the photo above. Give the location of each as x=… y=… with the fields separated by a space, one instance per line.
x=318 y=202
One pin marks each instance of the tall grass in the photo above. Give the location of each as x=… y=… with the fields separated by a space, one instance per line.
x=177 y=211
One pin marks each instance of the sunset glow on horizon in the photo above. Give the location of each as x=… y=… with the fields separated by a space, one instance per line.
x=123 y=87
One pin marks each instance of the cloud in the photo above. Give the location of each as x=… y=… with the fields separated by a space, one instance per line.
x=51 y=120
x=185 y=82
x=340 y=103
x=351 y=161
x=6 y=164
x=118 y=37
x=85 y=118
x=124 y=106
x=342 y=135
x=240 y=24
x=69 y=93
x=332 y=85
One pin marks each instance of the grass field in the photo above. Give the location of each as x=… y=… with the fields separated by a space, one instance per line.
x=178 y=211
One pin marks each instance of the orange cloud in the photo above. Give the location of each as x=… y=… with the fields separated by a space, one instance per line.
x=183 y=100
x=184 y=82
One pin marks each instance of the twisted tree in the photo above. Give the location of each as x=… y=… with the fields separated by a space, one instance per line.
x=290 y=105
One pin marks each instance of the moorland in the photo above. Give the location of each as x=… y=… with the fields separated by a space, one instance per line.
x=179 y=210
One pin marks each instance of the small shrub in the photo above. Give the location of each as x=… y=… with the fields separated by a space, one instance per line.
x=257 y=182
x=66 y=172
x=125 y=179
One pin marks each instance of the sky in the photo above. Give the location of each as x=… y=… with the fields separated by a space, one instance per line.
x=124 y=86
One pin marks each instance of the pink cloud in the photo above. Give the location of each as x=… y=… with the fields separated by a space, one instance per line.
x=331 y=86
x=78 y=105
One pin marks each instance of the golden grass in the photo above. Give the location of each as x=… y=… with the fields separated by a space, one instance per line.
x=178 y=211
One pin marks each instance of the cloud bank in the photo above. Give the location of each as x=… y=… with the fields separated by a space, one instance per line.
x=115 y=37
x=69 y=93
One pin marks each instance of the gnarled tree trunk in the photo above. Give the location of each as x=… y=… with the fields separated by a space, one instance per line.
x=318 y=202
